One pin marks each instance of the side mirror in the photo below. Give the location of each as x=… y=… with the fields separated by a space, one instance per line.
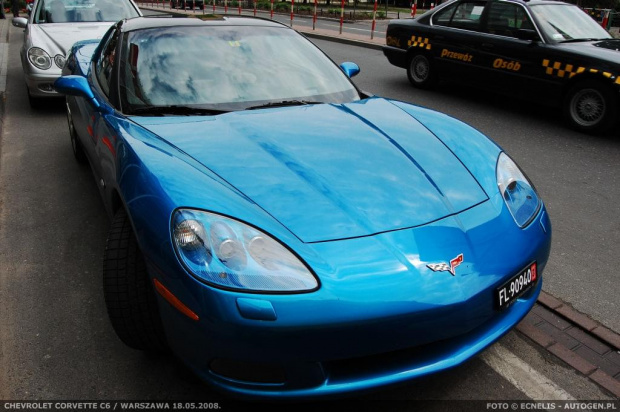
x=20 y=22
x=526 y=34
x=350 y=69
x=75 y=86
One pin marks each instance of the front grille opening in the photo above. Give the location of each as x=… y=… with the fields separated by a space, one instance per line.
x=249 y=372
x=383 y=364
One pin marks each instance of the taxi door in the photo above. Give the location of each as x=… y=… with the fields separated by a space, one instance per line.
x=507 y=57
x=455 y=34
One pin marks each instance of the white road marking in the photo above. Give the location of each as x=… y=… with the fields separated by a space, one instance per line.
x=522 y=375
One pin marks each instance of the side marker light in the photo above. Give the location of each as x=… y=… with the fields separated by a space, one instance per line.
x=174 y=301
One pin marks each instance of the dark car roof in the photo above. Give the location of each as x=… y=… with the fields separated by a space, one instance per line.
x=139 y=23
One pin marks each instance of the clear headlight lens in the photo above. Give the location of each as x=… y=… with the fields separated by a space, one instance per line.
x=60 y=60
x=517 y=191
x=224 y=252
x=39 y=58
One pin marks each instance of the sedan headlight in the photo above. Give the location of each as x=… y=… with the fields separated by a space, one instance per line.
x=39 y=58
x=60 y=60
x=225 y=252
x=517 y=191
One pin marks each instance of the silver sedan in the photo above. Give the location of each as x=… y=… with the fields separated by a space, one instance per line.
x=53 y=27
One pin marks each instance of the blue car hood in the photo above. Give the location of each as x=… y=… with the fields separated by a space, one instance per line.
x=329 y=172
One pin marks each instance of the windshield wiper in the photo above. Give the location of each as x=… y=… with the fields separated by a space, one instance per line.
x=176 y=110
x=580 y=40
x=283 y=103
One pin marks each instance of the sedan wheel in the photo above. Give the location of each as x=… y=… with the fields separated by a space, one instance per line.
x=589 y=107
x=128 y=291
x=78 y=151
x=420 y=71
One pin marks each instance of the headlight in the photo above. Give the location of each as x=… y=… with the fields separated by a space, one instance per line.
x=517 y=191
x=59 y=59
x=231 y=254
x=39 y=58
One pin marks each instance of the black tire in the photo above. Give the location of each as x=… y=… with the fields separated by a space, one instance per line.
x=590 y=107
x=76 y=146
x=420 y=71
x=36 y=103
x=128 y=291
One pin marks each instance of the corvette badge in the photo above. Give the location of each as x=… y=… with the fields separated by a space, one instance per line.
x=445 y=267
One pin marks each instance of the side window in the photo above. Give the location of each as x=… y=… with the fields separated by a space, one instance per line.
x=444 y=16
x=505 y=19
x=462 y=15
x=105 y=62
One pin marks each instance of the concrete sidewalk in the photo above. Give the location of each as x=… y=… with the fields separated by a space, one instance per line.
x=4 y=51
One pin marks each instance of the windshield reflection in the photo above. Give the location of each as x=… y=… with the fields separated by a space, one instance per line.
x=69 y=11
x=562 y=22
x=227 y=68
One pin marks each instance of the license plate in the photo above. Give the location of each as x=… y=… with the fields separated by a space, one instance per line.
x=510 y=291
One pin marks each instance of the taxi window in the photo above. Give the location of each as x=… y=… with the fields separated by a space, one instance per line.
x=462 y=15
x=505 y=19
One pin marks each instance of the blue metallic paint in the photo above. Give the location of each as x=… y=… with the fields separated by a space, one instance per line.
x=377 y=295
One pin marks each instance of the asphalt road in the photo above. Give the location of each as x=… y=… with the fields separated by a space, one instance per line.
x=56 y=341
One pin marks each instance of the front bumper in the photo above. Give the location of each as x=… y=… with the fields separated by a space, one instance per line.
x=40 y=85
x=386 y=325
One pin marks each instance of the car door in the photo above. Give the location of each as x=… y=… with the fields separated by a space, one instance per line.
x=510 y=50
x=102 y=142
x=456 y=30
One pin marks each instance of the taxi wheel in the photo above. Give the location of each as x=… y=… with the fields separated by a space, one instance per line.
x=128 y=291
x=590 y=107
x=420 y=71
x=76 y=146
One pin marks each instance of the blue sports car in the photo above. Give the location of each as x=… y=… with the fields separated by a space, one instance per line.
x=283 y=233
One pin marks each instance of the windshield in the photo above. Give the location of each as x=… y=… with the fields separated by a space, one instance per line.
x=562 y=22
x=226 y=68
x=69 y=11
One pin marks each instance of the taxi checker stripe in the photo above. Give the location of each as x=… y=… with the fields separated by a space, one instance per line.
x=556 y=68
x=419 y=42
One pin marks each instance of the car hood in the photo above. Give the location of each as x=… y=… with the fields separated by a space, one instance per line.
x=329 y=172
x=600 y=50
x=57 y=38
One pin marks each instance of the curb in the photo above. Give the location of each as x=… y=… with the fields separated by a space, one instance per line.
x=579 y=341
x=583 y=321
x=343 y=40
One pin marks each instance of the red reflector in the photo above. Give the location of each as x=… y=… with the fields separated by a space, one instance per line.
x=174 y=301
x=534 y=274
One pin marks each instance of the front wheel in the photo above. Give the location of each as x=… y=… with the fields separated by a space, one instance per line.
x=420 y=71
x=590 y=107
x=128 y=291
x=76 y=146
